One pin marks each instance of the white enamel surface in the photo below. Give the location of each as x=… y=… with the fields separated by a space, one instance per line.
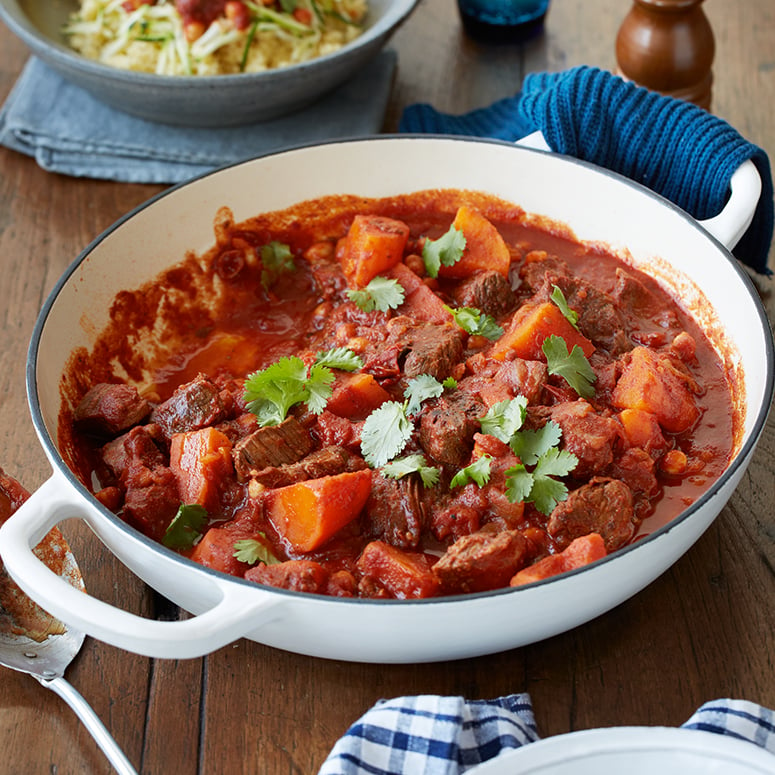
x=635 y=751
x=596 y=206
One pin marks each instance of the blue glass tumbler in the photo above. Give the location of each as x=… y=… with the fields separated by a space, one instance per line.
x=502 y=21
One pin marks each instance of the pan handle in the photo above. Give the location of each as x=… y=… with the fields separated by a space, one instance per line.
x=234 y=611
x=733 y=221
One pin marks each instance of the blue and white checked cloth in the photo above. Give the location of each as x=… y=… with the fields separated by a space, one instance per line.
x=437 y=735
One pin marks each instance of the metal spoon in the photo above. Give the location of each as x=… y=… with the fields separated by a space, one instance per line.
x=32 y=641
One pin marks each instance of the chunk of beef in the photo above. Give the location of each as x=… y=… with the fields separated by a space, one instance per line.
x=603 y=506
x=481 y=561
x=192 y=406
x=138 y=447
x=539 y=265
x=108 y=409
x=600 y=320
x=395 y=511
x=304 y=576
x=590 y=436
x=322 y=462
x=151 y=499
x=525 y=378
x=272 y=446
x=486 y=290
x=448 y=425
x=434 y=350
x=635 y=467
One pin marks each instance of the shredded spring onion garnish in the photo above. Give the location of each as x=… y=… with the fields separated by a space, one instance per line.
x=152 y=36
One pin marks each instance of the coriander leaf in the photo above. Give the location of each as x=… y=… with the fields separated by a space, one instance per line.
x=341 y=358
x=445 y=251
x=251 y=551
x=556 y=462
x=478 y=472
x=450 y=383
x=410 y=464
x=475 y=322
x=558 y=297
x=529 y=445
x=385 y=433
x=547 y=493
x=505 y=418
x=319 y=387
x=419 y=389
x=380 y=294
x=573 y=367
x=276 y=258
x=519 y=483
x=270 y=393
x=186 y=527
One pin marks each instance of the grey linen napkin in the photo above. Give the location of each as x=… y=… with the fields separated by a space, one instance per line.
x=68 y=131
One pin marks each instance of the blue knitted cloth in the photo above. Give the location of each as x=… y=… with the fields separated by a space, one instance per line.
x=673 y=147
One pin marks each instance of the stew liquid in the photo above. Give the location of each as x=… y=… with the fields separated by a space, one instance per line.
x=409 y=397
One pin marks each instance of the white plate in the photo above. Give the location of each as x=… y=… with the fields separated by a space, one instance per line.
x=634 y=751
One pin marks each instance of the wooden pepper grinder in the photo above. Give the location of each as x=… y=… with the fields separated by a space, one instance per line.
x=668 y=46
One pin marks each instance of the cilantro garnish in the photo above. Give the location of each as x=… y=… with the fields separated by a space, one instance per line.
x=185 y=529
x=529 y=446
x=573 y=367
x=450 y=383
x=478 y=472
x=419 y=389
x=251 y=551
x=380 y=294
x=539 y=486
x=445 y=251
x=475 y=322
x=270 y=393
x=558 y=297
x=385 y=433
x=505 y=418
x=276 y=258
x=341 y=358
x=411 y=464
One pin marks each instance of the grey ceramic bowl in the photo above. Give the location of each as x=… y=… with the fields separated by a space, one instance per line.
x=204 y=101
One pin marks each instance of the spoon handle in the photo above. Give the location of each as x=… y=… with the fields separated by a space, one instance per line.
x=92 y=722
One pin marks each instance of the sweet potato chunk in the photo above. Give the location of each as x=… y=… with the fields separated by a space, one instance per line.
x=216 y=550
x=201 y=462
x=580 y=552
x=531 y=325
x=308 y=513
x=405 y=575
x=641 y=429
x=485 y=248
x=356 y=395
x=653 y=383
x=373 y=245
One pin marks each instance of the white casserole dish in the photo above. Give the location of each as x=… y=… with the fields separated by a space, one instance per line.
x=597 y=205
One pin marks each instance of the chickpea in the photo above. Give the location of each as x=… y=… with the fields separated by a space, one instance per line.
x=319 y=252
x=674 y=462
x=416 y=264
x=684 y=347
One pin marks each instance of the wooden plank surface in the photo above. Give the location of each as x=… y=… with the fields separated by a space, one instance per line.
x=704 y=630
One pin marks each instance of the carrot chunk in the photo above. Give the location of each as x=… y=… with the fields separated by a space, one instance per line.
x=405 y=575
x=652 y=383
x=308 y=513
x=582 y=551
x=531 y=325
x=216 y=550
x=201 y=462
x=373 y=245
x=356 y=395
x=485 y=248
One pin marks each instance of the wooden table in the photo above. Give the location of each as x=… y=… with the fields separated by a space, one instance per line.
x=704 y=630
